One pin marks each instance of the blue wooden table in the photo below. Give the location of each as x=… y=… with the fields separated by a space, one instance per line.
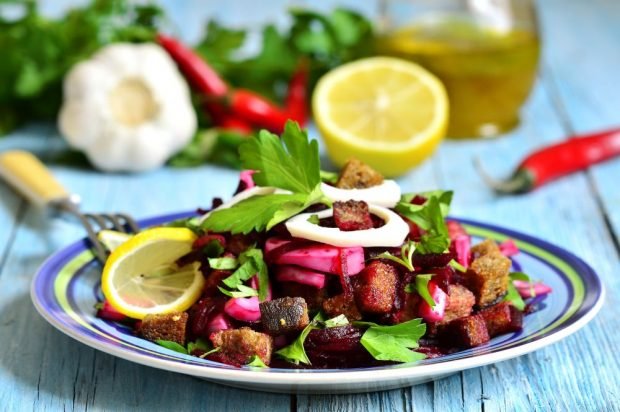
x=578 y=90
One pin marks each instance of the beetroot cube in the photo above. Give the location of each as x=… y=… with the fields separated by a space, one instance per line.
x=502 y=318
x=466 y=332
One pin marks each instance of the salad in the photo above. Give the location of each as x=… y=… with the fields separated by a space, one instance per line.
x=309 y=269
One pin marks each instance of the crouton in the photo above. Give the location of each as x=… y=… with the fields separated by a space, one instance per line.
x=377 y=287
x=313 y=296
x=502 y=318
x=170 y=327
x=358 y=175
x=352 y=215
x=460 y=303
x=466 y=332
x=341 y=305
x=488 y=274
x=284 y=315
x=238 y=346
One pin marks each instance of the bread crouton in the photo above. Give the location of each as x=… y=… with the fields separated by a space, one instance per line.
x=170 y=327
x=341 y=305
x=488 y=274
x=238 y=346
x=284 y=315
x=377 y=287
x=460 y=303
x=358 y=175
x=352 y=215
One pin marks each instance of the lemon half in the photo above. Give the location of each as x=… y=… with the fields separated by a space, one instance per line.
x=387 y=112
x=140 y=276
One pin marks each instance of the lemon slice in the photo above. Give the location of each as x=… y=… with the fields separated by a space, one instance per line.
x=141 y=278
x=112 y=239
x=387 y=112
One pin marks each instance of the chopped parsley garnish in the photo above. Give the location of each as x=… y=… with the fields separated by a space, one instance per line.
x=406 y=255
x=512 y=294
x=430 y=217
x=251 y=263
x=457 y=266
x=225 y=263
x=257 y=362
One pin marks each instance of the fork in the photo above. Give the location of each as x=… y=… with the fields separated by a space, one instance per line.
x=33 y=180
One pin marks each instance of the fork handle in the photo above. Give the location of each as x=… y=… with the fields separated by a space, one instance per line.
x=31 y=178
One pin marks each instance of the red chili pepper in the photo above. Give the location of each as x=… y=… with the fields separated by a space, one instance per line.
x=257 y=110
x=245 y=106
x=227 y=121
x=297 y=97
x=201 y=76
x=561 y=159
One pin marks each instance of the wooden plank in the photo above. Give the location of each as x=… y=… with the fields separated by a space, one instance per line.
x=585 y=37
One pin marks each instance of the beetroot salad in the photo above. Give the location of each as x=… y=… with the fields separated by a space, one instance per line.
x=310 y=269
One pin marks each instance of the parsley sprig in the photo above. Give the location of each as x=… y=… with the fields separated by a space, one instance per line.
x=393 y=342
x=406 y=255
x=429 y=216
x=290 y=163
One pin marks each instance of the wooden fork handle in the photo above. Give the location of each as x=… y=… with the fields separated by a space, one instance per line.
x=31 y=178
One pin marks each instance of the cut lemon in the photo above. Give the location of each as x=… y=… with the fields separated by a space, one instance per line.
x=112 y=239
x=387 y=112
x=140 y=277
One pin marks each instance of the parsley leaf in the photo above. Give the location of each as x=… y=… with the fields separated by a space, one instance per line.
x=295 y=352
x=429 y=216
x=340 y=320
x=329 y=177
x=224 y=263
x=242 y=291
x=252 y=263
x=512 y=294
x=421 y=286
x=290 y=162
x=199 y=344
x=406 y=255
x=314 y=219
x=168 y=344
x=257 y=362
x=457 y=266
x=394 y=343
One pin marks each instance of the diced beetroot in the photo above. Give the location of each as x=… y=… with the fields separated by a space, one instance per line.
x=436 y=313
x=289 y=273
x=202 y=313
x=108 y=312
x=525 y=289
x=275 y=242
x=443 y=276
x=204 y=240
x=324 y=258
x=218 y=322
x=244 y=309
x=508 y=248
x=338 y=347
x=502 y=318
x=418 y=200
x=466 y=332
x=431 y=260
